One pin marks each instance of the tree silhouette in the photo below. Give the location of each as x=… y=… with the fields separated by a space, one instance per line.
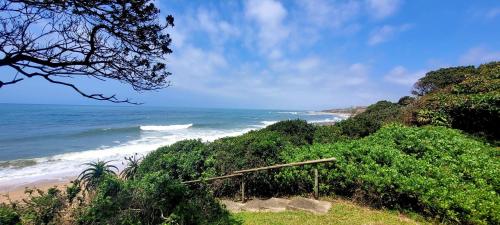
x=102 y=39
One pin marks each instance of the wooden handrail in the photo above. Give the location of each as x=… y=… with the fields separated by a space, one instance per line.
x=239 y=173
x=286 y=165
x=213 y=178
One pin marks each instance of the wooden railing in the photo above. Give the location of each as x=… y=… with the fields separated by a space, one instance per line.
x=240 y=173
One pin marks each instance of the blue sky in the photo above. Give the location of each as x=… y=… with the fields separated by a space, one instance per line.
x=300 y=54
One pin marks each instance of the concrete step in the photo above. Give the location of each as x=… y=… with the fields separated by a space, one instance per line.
x=279 y=205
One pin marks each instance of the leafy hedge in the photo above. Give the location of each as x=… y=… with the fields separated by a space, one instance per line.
x=8 y=216
x=472 y=103
x=153 y=199
x=192 y=159
x=370 y=120
x=433 y=170
x=436 y=171
x=298 y=132
x=183 y=160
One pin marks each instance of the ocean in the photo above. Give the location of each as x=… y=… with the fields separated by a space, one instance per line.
x=52 y=142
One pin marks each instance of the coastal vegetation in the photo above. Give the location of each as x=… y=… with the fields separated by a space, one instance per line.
x=434 y=154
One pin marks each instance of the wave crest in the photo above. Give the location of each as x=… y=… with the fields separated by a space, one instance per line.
x=166 y=127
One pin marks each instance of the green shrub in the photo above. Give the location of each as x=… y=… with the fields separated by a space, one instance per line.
x=298 y=132
x=371 y=119
x=183 y=160
x=253 y=149
x=406 y=100
x=472 y=105
x=8 y=216
x=42 y=207
x=201 y=201
x=154 y=198
x=436 y=171
x=435 y=80
x=328 y=134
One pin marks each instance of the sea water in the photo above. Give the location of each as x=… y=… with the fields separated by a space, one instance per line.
x=51 y=142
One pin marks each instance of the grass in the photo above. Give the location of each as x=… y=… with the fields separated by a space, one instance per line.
x=342 y=212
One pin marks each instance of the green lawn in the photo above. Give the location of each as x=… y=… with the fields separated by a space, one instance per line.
x=342 y=212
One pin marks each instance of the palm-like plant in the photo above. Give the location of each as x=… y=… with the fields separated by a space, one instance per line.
x=91 y=176
x=131 y=169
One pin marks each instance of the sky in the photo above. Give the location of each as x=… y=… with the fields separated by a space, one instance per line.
x=303 y=54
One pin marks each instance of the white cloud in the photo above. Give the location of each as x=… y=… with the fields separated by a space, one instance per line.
x=329 y=14
x=479 y=55
x=269 y=16
x=385 y=33
x=211 y=24
x=400 y=75
x=301 y=83
x=288 y=76
x=380 y=9
x=194 y=67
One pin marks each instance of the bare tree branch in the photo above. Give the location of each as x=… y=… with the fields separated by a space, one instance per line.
x=102 y=39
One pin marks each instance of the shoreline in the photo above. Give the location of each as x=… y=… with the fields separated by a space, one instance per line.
x=60 y=174
x=17 y=192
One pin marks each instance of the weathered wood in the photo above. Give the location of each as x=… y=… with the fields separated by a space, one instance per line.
x=241 y=172
x=213 y=178
x=286 y=165
x=316 y=182
x=243 y=189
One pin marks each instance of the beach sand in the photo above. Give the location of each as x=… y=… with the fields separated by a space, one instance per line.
x=18 y=193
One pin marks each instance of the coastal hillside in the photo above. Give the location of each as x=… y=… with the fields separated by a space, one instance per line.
x=149 y=112
x=416 y=156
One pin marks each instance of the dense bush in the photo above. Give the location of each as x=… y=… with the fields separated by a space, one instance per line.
x=193 y=159
x=435 y=80
x=298 y=132
x=436 y=171
x=328 y=134
x=371 y=119
x=472 y=105
x=406 y=100
x=184 y=160
x=253 y=149
x=155 y=198
x=433 y=170
x=8 y=216
x=40 y=207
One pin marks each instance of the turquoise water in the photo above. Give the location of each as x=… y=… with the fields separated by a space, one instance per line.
x=53 y=141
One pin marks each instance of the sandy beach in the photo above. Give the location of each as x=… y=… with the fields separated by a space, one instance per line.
x=16 y=193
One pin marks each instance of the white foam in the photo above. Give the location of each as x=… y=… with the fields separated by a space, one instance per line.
x=328 y=120
x=69 y=165
x=267 y=123
x=293 y=113
x=166 y=128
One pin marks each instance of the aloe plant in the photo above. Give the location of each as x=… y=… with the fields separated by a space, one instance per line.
x=91 y=176
x=130 y=170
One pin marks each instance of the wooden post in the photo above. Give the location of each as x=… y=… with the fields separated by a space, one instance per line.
x=316 y=186
x=242 y=186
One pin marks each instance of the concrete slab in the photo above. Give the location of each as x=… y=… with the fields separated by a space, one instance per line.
x=279 y=205
x=309 y=205
x=268 y=205
x=232 y=206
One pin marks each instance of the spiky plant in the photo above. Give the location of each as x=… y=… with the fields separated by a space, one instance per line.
x=131 y=169
x=96 y=171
